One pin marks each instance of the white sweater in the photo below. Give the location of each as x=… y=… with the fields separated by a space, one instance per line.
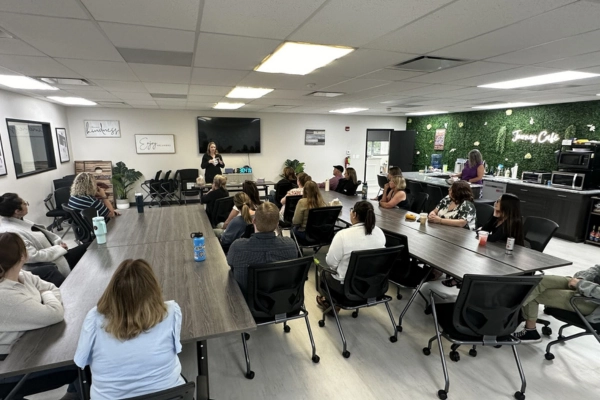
x=42 y=245
x=25 y=307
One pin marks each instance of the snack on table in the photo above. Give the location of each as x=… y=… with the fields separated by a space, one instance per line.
x=411 y=217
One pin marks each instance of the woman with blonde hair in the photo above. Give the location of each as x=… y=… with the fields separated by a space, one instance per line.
x=396 y=196
x=131 y=338
x=310 y=199
x=301 y=180
x=86 y=193
x=218 y=191
x=212 y=162
x=237 y=226
x=348 y=184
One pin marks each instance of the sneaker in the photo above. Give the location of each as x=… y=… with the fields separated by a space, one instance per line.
x=528 y=336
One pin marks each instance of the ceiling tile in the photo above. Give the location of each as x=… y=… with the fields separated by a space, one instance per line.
x=194 y=105
x=356 y=85
x=357 y=22
x=577 y=62
x=161 y=73
x=203 y=90
x=219 y=77
x=120 y=86
x=36 y=66
x=141 y=102
x=60 y=37
x=118 y=71
x=287 y=94
x=94 y=94
x=363 y=61
x=208 y=99
x=232 y=52
x=176 y=14
x=52 y=8
x=134 y=96
x=143 y=37
x=257 y=18
x=462 y=71
x=166 y=88
x=17 y=47
x=516 y=73
x=392 y=74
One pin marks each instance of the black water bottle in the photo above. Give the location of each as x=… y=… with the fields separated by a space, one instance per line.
x=139 y=201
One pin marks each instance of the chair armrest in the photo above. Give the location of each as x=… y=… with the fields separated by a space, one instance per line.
x=324 y=268
x=576 y=299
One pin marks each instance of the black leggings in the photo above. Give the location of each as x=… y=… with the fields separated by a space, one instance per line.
x=47 y=272
x=74 y=255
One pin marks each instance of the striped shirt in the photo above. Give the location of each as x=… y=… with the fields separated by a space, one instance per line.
x=80 y=203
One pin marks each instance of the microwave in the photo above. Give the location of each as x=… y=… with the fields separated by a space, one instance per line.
x=576 y=180
x=578 y=159
x=536 y=177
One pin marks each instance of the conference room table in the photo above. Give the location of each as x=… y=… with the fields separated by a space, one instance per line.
x=211 y=302
x=236 y=187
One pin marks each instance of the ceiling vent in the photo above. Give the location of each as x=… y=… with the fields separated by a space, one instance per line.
x=326 y=94
x=168 y=96
x=66 y=81
x=429 y=64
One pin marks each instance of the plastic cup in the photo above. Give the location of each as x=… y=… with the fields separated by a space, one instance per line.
x=483 y=236
x=445 y=168
x=422 y=218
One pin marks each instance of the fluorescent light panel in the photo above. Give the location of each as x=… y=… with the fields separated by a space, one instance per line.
x=540 y=80
x=428 y=113
x=73 y=101
x=349 y=110
x=228 y=106
x=301 y=58
x=23 y=82
x=240 y=92
x=505 y=105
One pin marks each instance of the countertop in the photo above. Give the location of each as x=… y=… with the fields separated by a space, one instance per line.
x=536 y=185
x=432 y=178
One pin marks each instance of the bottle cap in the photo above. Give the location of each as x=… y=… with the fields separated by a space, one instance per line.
x=196 y=235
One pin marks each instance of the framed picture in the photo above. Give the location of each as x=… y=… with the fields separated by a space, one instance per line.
x=155 y=144
x=32 y=147
x=440 y=137
x=102 y=129
x=63 y=145
x=314 y=137
x=2 y=162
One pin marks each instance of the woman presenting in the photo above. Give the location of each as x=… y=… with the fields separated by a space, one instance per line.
x=212 y=162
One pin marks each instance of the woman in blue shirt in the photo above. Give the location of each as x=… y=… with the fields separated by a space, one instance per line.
x=131 y=339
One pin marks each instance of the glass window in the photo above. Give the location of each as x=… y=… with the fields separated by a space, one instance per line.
x=32 y=147
x=377 y=148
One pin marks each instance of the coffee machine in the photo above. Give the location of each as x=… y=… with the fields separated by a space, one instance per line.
x=459 y=165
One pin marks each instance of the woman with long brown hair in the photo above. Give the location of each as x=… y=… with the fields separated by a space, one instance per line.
x=212 y=162
x=506 y=221
x=237 y=227
x=251 y=190
x=349 y=183
x=130 y=339
x=456 y=209
x=311 y=198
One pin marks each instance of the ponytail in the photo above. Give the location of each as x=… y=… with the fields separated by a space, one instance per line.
x=369 y=221
x=365 y=214
x=245 y=212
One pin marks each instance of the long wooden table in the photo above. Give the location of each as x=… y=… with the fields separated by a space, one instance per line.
x=211 y=301
x=235 y=187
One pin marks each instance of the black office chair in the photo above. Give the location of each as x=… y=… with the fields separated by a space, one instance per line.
x=483 y=213
x=53 y=203
x=62 y=183
x=538 y=232
x=221 y=210
x=249 y=231
x=486 y=313
x=281 y=190
x=365 y=285
x=414 y=187
x=153 y=189
x=185 y=176
x=435 y=196
x=39 y=384
x=84 y=231
x=181 y=392
x=419 y=202
x=276 y=295
x=169 y=188
x=382 y=180
x=290 y=208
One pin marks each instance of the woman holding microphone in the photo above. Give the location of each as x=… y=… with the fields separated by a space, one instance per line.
x=212 y=162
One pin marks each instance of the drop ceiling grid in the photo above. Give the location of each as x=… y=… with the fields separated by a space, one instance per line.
x=149 y=38
x=51 y=8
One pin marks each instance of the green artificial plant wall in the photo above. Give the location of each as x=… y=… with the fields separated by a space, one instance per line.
x=465 y=129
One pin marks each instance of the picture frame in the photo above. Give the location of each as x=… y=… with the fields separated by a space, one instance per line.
x=440 y=138
x=314 y=137
x=155 y=144
x=63 y=145
x=3 y=170
x=23 y=135
x=102 y=129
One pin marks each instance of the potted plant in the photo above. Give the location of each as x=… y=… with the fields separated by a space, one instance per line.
x=297 y=165
x=123 y=179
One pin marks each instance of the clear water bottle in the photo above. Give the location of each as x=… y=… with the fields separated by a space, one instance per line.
x=199 y=248
x=365 y=189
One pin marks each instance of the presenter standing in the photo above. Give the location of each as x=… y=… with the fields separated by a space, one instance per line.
x=212 y=162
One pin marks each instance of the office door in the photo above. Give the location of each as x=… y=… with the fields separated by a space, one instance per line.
x=402 y=149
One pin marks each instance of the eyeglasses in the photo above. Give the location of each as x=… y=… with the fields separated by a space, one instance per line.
x=26 y=203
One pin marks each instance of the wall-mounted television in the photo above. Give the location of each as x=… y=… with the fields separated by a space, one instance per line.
x=232 y=135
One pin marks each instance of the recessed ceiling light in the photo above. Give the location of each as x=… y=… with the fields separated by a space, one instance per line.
x=23 y=82
x=240 y=92
x=505 y=105
x=325 y=94
x=228 y=106
x=66 y=81
x=348 y=110
x=301 y=58
x=540 y=80
x=79 y=101
x=428 y=113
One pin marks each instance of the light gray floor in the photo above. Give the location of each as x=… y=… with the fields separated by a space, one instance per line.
x=378 y=369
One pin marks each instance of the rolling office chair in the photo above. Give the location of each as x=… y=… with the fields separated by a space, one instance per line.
x=281 y=190
x=435 y=196
x=381 y=181
x=419 y=202
x=414 y=187
x=221 y=210
x=483 y=213
x=182 y=392
x=290 y=208
x=185 y=176
x=53 y=203
x=84 y=232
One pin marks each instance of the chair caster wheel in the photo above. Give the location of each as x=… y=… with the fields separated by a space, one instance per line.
x=287 y=329
x=442 y=394
x=427 y=310
x=322 y=323
x=250 y=375
x=473 y=353
x=399 y=327
x=454 y=356
x=355 y=314
x=399 y=296
x=247 y=336
x=549 y=356
x=546 y=330
x=316 y=359
x=426 y=351
x=454 y=347
x=519 y=396
x=346 y=354
x=498 y=346
x=393 y=339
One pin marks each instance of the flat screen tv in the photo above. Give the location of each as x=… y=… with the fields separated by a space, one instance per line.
x=232 y=135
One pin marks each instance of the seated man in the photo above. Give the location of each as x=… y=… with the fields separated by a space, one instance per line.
x=338 y=172
x=556 y=292
x=262 y=247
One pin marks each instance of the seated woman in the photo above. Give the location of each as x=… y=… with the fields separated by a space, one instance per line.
x=86 y=193
x=237 y=227
x=348 y=184
x=218 y=191
x=456 y=209
x=362 y=235
x=287 y=183
x=311 y=198
x=506 y=221
x=393 y=171
x=28 y=303
x=298 y=191
x=251 y=190
x=395 y=196
x=474 y=170
x=42 y=245
x=131 y=339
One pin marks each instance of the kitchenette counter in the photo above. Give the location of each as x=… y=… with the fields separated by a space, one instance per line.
x=514 y=181
x=433 y=178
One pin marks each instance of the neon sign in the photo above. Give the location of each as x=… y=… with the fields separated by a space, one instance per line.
x=542 y=137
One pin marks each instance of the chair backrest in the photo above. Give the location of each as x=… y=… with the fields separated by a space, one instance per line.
x=62 y=183
x=538 y=232
x=490 y=305
x=435 y=196
x=249 y=231
x=166 y=177
x=221 y=209
x=401 y=265
x=62 y=196
x=368 y=272
x=282 y=188
x=82 y=230
x=182 y=392
x=89 y=214
x=290 y=207
x=483 y=213
x=419 y=201
x=382 y=180
x=321 y=223
x=186 y=176
x=276 y=289
x=414 y=187
x=157 y=176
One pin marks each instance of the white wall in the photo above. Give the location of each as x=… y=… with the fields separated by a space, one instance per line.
x=32 y=188
x=282 y=137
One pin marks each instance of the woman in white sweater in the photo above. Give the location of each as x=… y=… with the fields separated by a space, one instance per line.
x=27 y=303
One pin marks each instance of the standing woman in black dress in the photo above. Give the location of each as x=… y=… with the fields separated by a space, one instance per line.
x=212 y=162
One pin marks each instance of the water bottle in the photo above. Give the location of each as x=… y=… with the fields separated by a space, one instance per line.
x=199 y=249
x=365 y=189
x=139 y=201
x=99 y=229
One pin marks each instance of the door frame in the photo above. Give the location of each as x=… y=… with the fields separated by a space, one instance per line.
x=390 y=131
